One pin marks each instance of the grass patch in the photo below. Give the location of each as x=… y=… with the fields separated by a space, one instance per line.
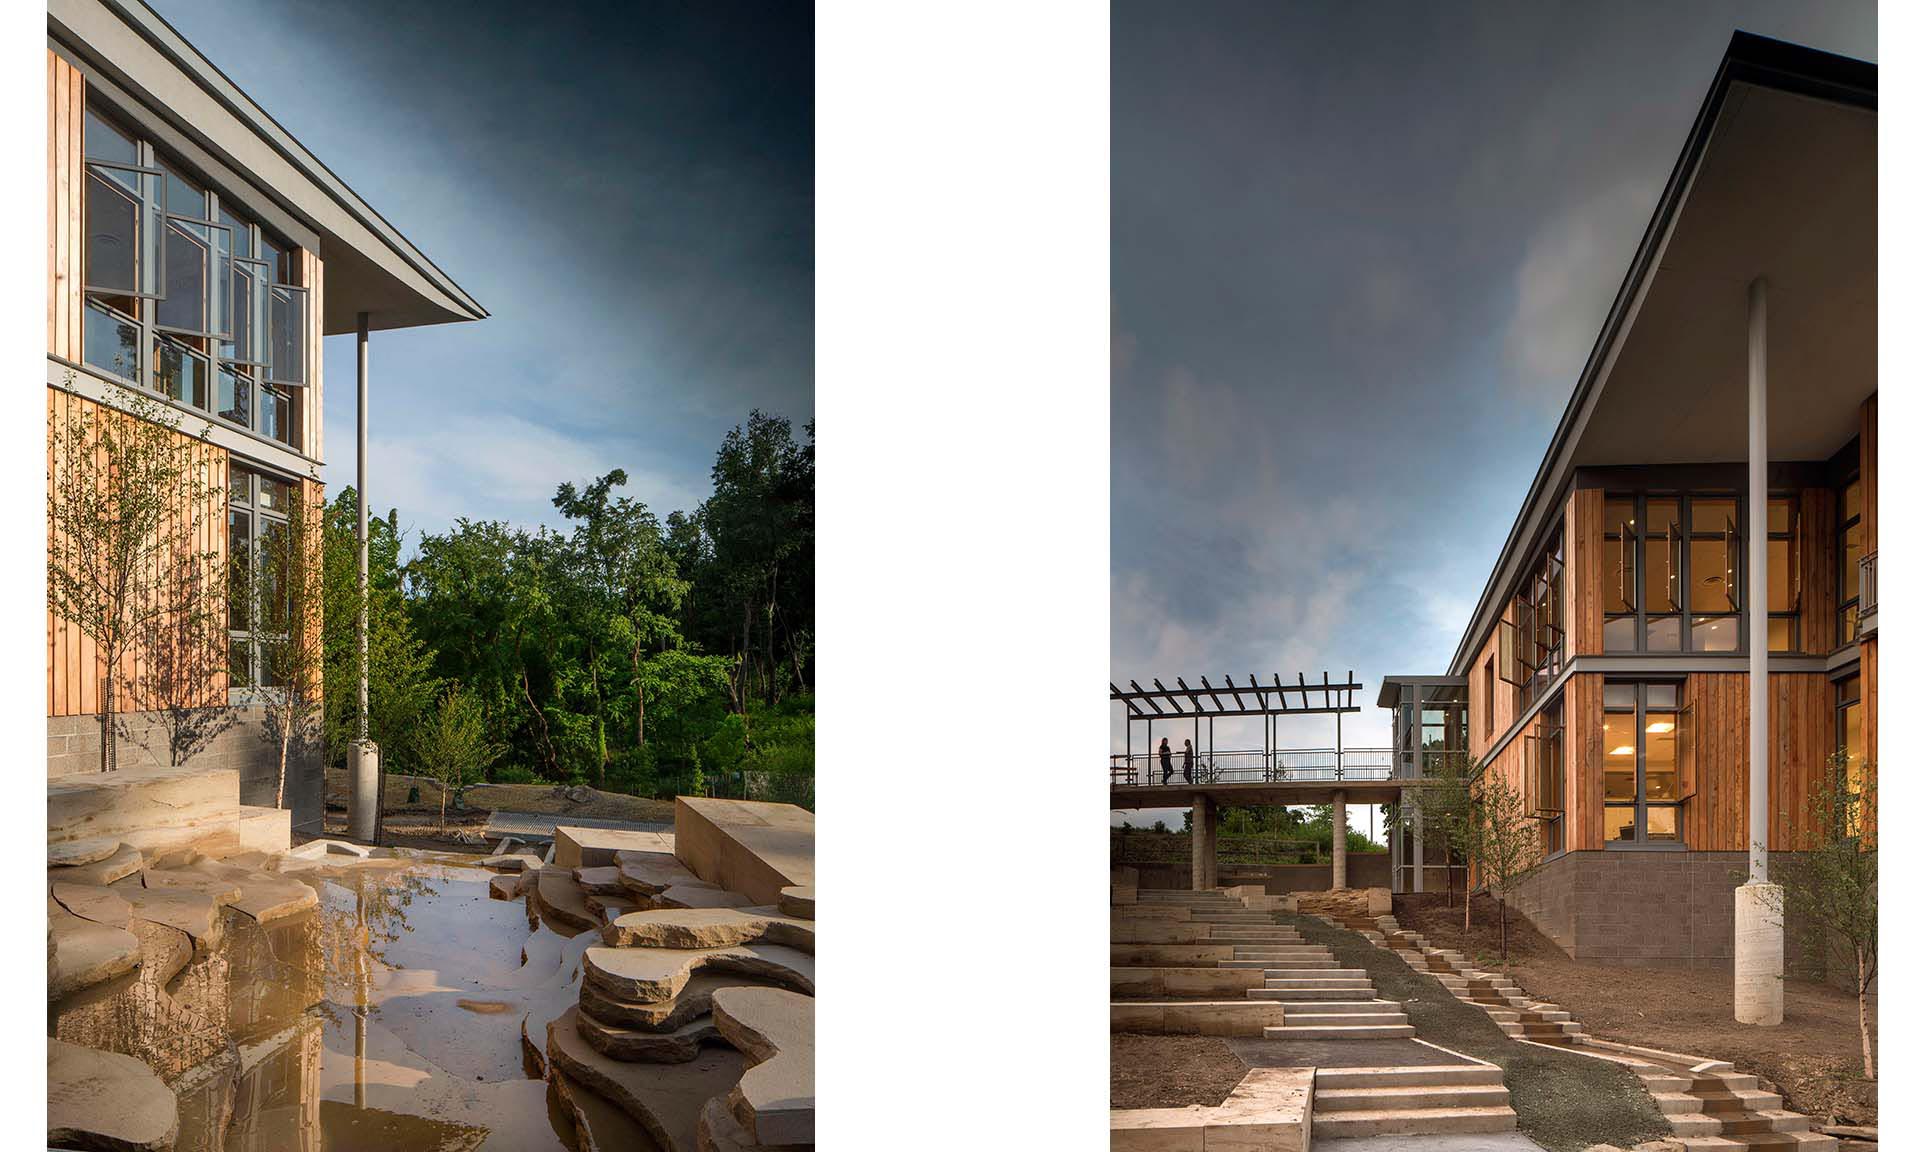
x=1563 y=1101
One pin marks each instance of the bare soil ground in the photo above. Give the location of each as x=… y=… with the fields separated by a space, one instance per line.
x=1812 y=1058
x=417 y=824
x=1172 y=1071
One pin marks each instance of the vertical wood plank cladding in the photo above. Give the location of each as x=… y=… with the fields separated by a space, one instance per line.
x=54 y=201
x=1870 y=699
x=1870 y=472
x=1819 y=572
x=1801 y=737
x=74 y=663
x=66 y=98
x=1586 y=512
x=1585 y=745
x=316 y=325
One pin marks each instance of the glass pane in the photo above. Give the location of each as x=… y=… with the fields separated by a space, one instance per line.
x=1780 y=514
x=183 y=195
x=1850 y=623
x=102 y=141
x=110 y=342
x=276 y=415
x=239 y=555
x=1716 y=634
x=1779 y=577
x=1619 y=820
x=1619 y=749
x=1850 y=563
x=1850 y=502
x=242 y=238
x=1617 y=575
x=1663 y=696
x=1849 y=689
x=1853 y=742
x=113 y=230
x=1663 y=557
x=179 y=373
x=287 y=320
x=1712 y=574
x=239 y=665
x=1780 y=634
x=1663 y=823
x=236 y=398
x=1663 y=767
x=1663 y=634
x=1617 y=635
x=189 y=266
x=1617 y=696
x=275 y=494
x=1711 y=515
x=1619 y=512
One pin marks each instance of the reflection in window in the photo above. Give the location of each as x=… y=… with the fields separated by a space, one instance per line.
x=1641 y=732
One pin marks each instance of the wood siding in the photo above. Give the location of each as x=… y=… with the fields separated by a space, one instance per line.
x=1586 y=512
x=312 y=422
x=1870 y=473
x=75 y=667
x=1800 y=716
x=66 y=103
x=1819 y=571
x=1586 y=753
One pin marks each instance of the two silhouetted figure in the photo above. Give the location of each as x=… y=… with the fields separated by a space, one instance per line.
x=1166 y=761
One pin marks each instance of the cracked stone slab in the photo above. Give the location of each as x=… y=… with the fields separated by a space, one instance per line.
x=649 y=873
x=125 y=861
x=644 y=1046
x=76 y=852
x=83 y=953
x=695 y=999
x=105 y=1100
x=195 y=913
x=707 y=928
x=263 y=895
x=773 y=1028
x=650 y=975
x=664 y=1098
x=194 y=878
x=94 y=902
x=797 y=901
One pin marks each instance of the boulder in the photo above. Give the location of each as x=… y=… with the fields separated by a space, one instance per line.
x=773 y=1029
x=611 y=908
x=578 y=847
x=655 y=974
x=267 y=897
x=105 y=1100
x=707 y=928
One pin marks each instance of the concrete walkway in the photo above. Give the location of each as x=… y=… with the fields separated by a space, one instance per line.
x=1465 y=1142
x=541 y=824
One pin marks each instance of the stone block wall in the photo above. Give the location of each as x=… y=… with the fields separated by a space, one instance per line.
x=73 y=745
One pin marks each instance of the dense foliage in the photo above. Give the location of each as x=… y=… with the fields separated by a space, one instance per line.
x=618 y=651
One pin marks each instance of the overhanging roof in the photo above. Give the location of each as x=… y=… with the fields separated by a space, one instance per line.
x=370 y=266
x=1777 y=179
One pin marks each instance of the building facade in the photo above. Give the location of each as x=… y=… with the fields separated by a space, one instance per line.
x=1606 y=671
x=197 y=254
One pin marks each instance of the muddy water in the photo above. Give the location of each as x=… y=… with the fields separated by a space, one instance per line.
x=388 y=1018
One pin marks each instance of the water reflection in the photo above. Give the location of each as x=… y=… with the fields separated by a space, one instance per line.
x=387 y=1019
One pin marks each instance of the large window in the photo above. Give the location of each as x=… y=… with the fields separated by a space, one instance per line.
x=1852 y=547
x=1533 y=637
x=1672 y=575
x=257 y=506
x=1852 y=742
x=1545 y=785
x=184 y=295
x=1645 y=740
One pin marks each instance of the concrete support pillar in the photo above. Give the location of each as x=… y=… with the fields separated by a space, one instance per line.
x=1203 y=875
x=363 y=796
x=1758 y=935
x=1339 y=840
x=1419 y=850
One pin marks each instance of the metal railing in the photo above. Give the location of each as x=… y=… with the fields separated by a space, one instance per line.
x=1141 y=846
x=1282 y=766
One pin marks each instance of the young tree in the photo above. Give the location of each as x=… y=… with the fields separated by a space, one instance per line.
x=181 y=656
x=1829 y=889
x=452 y=742
x=1503 y=841
x=129 y=496
x=401 y=686
x=285 y=587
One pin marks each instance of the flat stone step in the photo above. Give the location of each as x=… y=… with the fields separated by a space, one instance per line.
x=664 y=1098
x=1402 y=1096
x=644 y=1046
x=1339 y=1032
x=1291 y=995
x=106 y=1100
x=1409 y=1075
x=1413 y=1121
x=1343 y=1008
x=1316 y=1019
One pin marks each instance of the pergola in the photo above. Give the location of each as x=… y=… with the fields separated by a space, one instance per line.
x=1251 y=697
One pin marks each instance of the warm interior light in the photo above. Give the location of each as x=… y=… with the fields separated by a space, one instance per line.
x=1660 y=726
x=1623 y=750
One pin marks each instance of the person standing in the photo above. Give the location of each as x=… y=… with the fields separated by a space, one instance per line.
x=1166 y=761
x=1186 y=761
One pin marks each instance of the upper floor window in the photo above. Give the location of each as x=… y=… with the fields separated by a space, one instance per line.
x=1671 y=575
x=1852 y=547
x=1533 y=637
x=1545 y=783
x=184 y=295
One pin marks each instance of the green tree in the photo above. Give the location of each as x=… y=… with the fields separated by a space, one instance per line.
x=128 y=497
x=1830 y=889
x=1502 y=841
x=285 y=589
x=182 y=656
x=452 y=744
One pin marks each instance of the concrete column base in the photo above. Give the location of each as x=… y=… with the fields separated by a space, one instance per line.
x=1339 y=841
x=363 y=789
x=1759 y=954
x=1203 y=874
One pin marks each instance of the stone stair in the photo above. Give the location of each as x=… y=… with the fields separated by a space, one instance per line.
x=1420 y=1100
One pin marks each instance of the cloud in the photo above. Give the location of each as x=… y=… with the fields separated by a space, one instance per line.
x=1572 y=268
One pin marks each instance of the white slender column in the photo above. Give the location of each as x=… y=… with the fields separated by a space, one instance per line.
x=1758 y=934
x=1340 y=840
x=363 y=759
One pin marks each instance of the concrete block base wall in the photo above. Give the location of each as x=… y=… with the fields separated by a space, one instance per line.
x=73 y=746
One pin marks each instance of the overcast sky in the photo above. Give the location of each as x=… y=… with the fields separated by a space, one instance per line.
x=1360 y=254
x=628 y=189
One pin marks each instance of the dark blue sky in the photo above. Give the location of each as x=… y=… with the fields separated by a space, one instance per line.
x=627 y=188
x=1360 y=253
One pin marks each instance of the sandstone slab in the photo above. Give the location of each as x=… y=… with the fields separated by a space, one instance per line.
x=721 y=1132
x=93 y=902
x=267 y=897
x=700 y=896
x=665 y=1099
x=154 y=809
x=106 y=1100
x=745 y=845
x=195 y=913
x=264 y=829
x=599 y=1124
x=707 y=928
x=644 y=1046
x=695 y=998
x=773 y=1028
x=649 y=873
x=76 y=852
x=577 y=847
x=511 y=862
x=194 y=878
x=562 y=904
x=504 y=887
x=83 y=953
x=656 y=974
x=797 y=901
x=125 y=861
x=603 y=881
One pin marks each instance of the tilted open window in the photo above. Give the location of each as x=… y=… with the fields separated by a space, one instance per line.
x=126 y=208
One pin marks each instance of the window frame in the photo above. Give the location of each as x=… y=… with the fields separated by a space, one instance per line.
x=1683 y=576
x=1641 y=804
x=1847 y=635
x=258 y=515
